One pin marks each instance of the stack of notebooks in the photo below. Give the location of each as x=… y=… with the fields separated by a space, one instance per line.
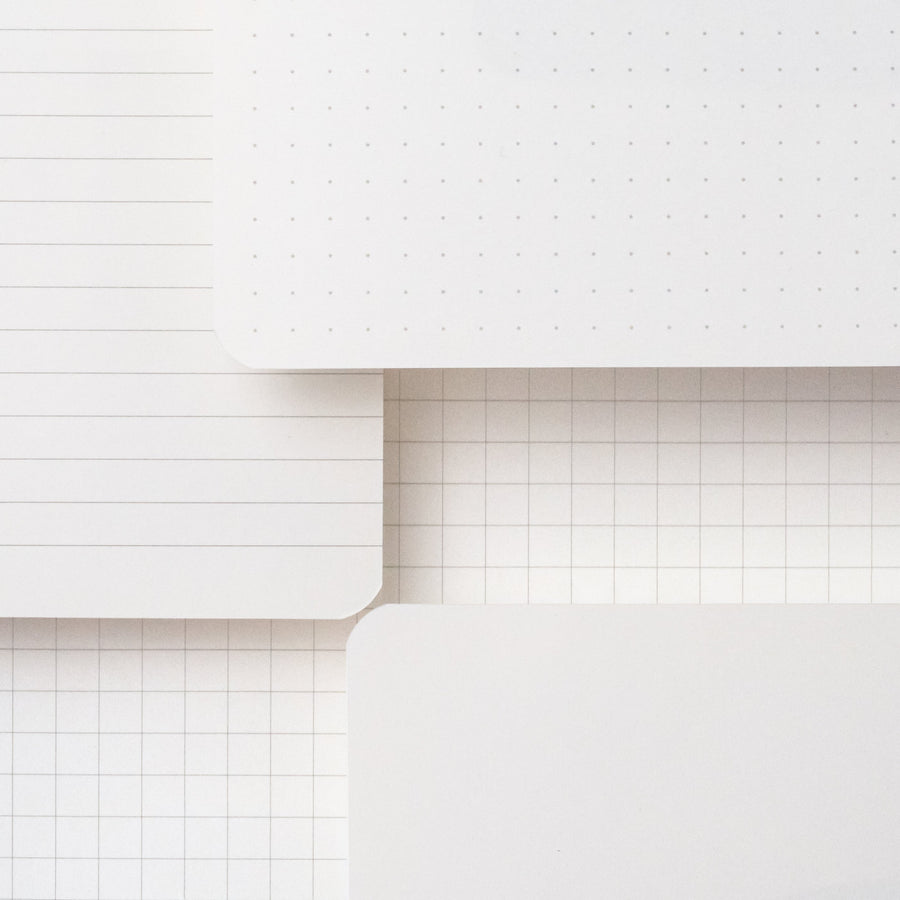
x=193 y=392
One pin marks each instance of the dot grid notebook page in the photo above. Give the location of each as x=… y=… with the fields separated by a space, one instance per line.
x=557 y=184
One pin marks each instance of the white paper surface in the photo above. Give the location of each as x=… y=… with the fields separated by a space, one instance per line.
x=683 y=752
x=497 y=184
x=142 y=471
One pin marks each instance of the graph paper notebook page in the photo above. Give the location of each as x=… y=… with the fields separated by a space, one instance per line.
x=142 y=471
x=507 y=184
x=628 y=752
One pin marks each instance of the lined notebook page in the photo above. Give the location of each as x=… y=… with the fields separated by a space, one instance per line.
x=144 y=472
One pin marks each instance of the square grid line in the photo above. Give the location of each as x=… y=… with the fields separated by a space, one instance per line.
x=207 y=759
x=173 y=758
x=769 y=452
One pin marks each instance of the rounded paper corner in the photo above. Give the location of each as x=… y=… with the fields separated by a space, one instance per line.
x=236 y=345
x=371 y=628
x=366 y=594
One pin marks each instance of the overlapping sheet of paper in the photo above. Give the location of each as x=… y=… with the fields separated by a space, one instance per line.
x=625 y=751
x=497 y=183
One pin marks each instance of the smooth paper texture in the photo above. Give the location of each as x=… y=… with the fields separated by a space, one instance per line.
x=554 y=184
x=625 y=752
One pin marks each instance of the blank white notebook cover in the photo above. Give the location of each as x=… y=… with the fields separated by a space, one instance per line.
x=625 y=752
x=142 y=471
x=413 y=183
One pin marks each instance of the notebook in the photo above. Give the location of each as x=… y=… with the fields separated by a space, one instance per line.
x=627 y=752
x=411 y=184
x=143 y=471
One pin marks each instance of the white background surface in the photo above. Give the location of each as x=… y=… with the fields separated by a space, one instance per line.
x=142 y=470
x=679 y=752
x=558 y=183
